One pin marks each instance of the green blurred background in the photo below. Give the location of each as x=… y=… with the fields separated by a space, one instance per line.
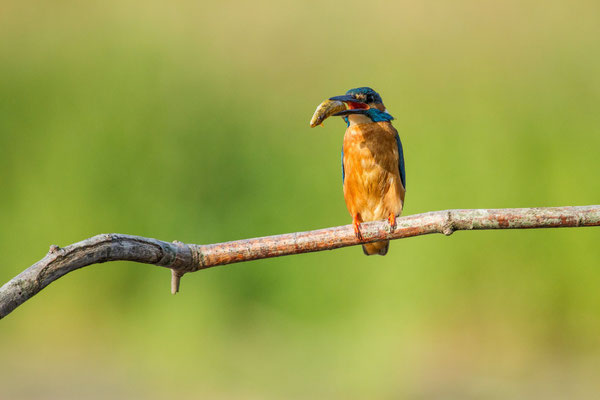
x=189 y=120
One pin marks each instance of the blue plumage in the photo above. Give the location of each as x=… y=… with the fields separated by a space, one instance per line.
x=370 y=96
x=343 y=171
x=378 y=115
x=401 y=161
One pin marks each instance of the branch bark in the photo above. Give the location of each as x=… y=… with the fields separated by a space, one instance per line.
x=183 y=258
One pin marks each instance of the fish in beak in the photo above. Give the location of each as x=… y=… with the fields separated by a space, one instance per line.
x=338 y=106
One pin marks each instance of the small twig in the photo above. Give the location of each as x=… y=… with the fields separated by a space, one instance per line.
x=175 y=280
x=182 y=258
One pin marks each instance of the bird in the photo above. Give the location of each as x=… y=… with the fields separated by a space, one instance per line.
x=373 y=170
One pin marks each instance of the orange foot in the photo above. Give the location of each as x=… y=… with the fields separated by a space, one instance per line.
x=356 y=225
x=392 y=221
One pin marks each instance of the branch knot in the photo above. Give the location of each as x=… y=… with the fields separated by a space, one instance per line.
x=448 y=228
x=183 y=263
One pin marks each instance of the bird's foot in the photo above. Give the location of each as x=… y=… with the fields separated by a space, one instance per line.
x=392 y=221
x=356 y=225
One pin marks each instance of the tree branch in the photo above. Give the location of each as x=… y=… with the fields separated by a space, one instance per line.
x=182 y=258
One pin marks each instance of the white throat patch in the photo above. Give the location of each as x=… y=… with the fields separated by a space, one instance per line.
x=358 y=119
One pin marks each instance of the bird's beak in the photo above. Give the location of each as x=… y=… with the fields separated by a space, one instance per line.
x=345 y=98
x=355 y=106
x=350 y=111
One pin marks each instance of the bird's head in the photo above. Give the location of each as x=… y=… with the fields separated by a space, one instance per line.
x=363 y=102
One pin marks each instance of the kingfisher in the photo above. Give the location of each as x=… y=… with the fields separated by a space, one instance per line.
x=373 y=173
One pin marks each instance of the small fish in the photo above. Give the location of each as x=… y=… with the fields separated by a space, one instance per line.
x=325 y=110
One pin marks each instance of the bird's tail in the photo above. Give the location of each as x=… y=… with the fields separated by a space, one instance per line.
x=380 y=248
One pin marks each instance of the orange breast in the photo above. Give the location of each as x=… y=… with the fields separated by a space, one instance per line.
x=372 y=184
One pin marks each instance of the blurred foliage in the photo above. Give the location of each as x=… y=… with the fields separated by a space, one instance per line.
x=189 y=120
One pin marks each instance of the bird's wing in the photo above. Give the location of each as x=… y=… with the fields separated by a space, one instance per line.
x=400 y=161
x=343 y=172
